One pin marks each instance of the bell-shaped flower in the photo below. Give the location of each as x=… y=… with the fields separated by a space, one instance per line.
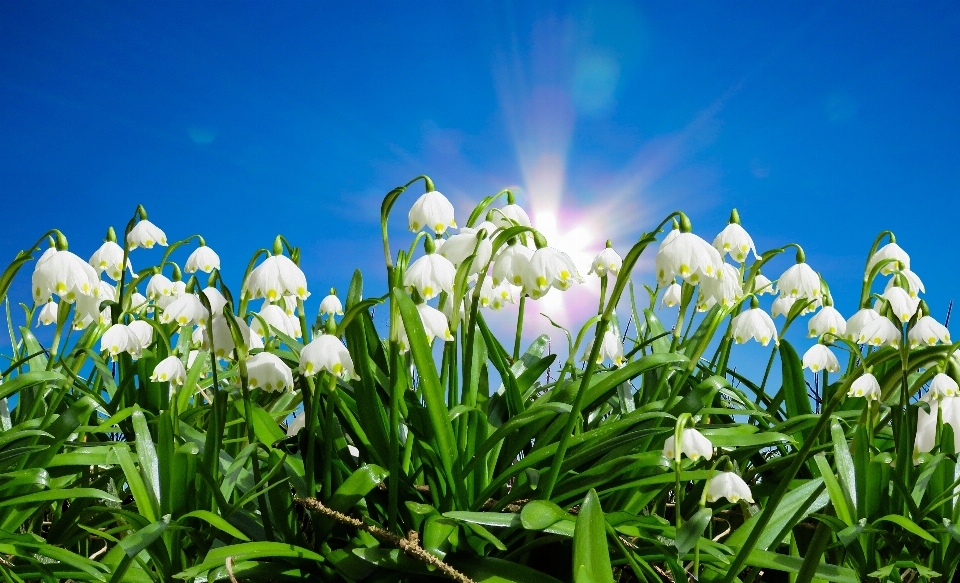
x=120 y=338
x=331 y=304
x=186 y=310
x=169 y=370
x=177 y=289
x=158 y=286
x=800 y=281
x=692 y=444
x=48 y=314
x=109 y=258
x=502 y=295
x=763 y=285
x=144 y=332
x=928 y=331
x=913 y=282
x=219 y=333
x=216 y=300
x=819 y=357
x=687 y=256
x=943 y=386
x=827 y=320
x=902 y=304
x=510 y=264
x=733 y=239
x=431 y=211
x=64 y=274
x=509 y=216
x=948 y=409
x=672 y=296
x=277 y=276
x=724 y=290
x=463 y=245
x=276 y=318
x=865 y=386
x=607 y=260
x=145 y=234
x=429 y=275
x=754 y=323
x=858 y=322
x=730 y=486
x=267 y=371
x=549 y=268
x=138 y=302
x=435 y=324
x=889 y=251
x=880 y=332
x=88 y=311
x=326 y=352
x=203 y=259
x=610 y=349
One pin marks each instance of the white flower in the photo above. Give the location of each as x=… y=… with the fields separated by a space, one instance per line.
x=216 y=299
x=158 y=286
x=800 y=281
x=943 y=386
x=144 y=332
x=268 y=372
x=277 y=276
x=223 y=343
x=431 y=211
x=827 y=320
x=186 y=310
x=858 y=322
x=692 y=444
x=275 y=317
x=120 y=338
x=145 y=234
x=331 y=304
x=429 y=275
x=889 y=251
x=880 y=332
x=754 y=323
x=326 y=352
x=606 y=260
x=510 y=264
x=866 y=386
x=914 y=284
x=203 y=259
x=549 y=268
x=902 y=304
x=611 y=348
x=733 y=239
x=435 y=324
x=88 y=311
x=138 y=301
x=783 y=304
x=109 y=258
x=819 y=357
x=687 y=256
x=508 y=215
x=48 y=314
x=64 y=274
x=672 y=296
x=928 y=331
x=464 y=244
x=171 y=370
x=503 y=294
x=927 y=422
x=177 y=289
x=725 y=290
x=730 y=486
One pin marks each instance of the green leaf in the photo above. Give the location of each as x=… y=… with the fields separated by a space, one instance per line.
x=777 y=562
x=834 y=489
x=498 y=519
x=65 y=494
x=146 y=453
x=844 y=462
x=490 y=570
x=691 y=531
x=245 y=551
x=591 y=557
x=27 y=380
x=136 y=542
x=539 y=514
x=907 y=525
x=358 y=485
x=215 y=521
x=807 y=498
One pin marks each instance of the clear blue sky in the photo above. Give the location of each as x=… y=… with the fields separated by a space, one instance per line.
x=824 y=123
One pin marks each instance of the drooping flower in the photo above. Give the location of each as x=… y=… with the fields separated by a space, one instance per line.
x=144 y=332
x=64 y=274
x=672 y=296
x=692 y=444
x=607 y=260
x=171 y=370
x=120 y=338
x=435 y=324
x=880 y=332
x=464 y=244
x=902 y=304
x=275 y=317
x=203 y=259
x=88 y=311
x=429 y=275
x=943 y=386
x=177 y=289
x=733 y=239
x=510 y=215
x=859 y=321
x=611 y=348
x=158 y=286
x=724 y=290
x=145 y=234
x=511 y=263
x=819 y=357
x=928 y=331
x=754 y=323
x=687 y=256
x=48 y=314
x=331 y=304
x=502 y=295
x=109 y=258
x=326 y=352
x=216 y=300
x=913 y=282
x=799 y=281
x=277 y=276
x=827 y=320
x=219 y=331
x=431 y=211
x=267 y=371
x=549 y=268
x=865 y=386
x=949 y=410
x=186 y=310
x=889 y=251
x=138 y=301
x=730 y=486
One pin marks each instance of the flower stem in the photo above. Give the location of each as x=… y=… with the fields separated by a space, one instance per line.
x=516 y=342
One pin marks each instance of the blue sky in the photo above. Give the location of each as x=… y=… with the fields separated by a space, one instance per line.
x=824 y=123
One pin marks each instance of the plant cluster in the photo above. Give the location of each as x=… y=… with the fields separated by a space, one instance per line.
x=170 y=431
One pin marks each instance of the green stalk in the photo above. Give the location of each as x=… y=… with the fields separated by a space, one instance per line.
x=332 y=398
x=310 y=400
x=516 y=341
